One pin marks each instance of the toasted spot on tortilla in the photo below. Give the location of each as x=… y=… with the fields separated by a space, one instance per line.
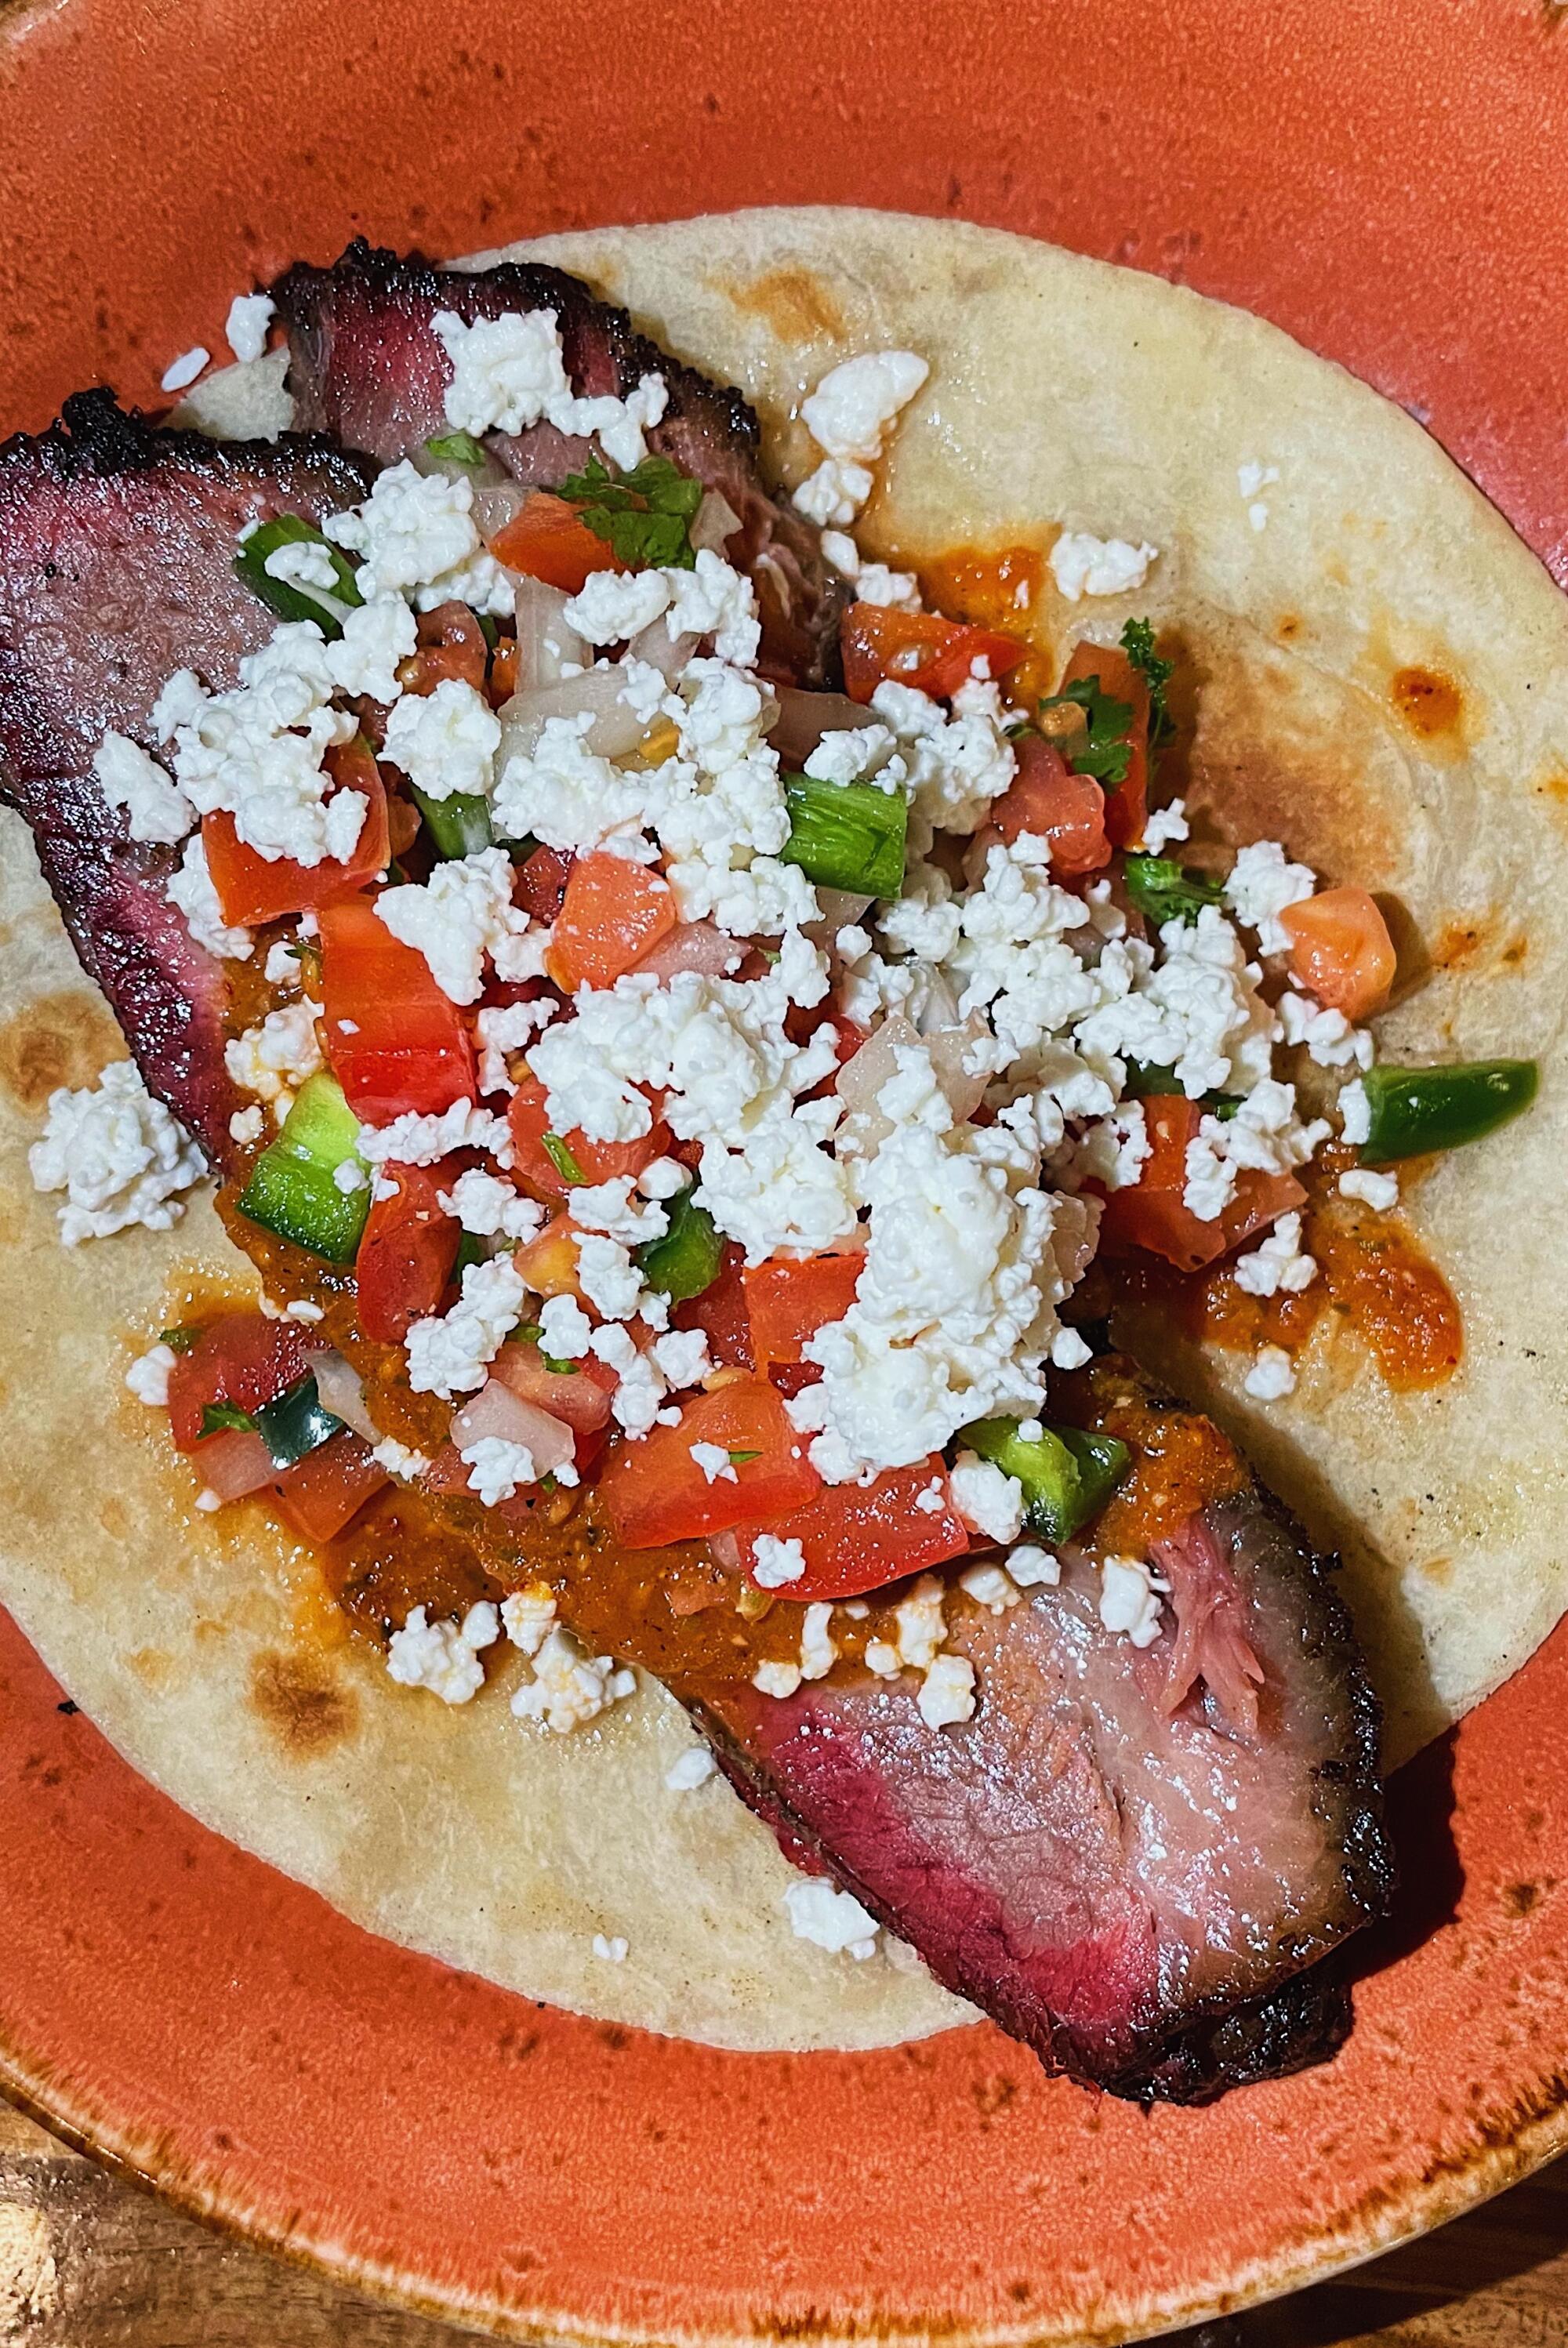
x=61 y=1039
x=794 y=302
x=115 y=1518
x=1438 y=1569
x=1431 y=704
x=1460 y=941
x=152 y=1666
x=304 y=1706
x=1518 y=1899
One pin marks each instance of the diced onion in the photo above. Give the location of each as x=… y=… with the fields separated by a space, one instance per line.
x=614 y=732
x=655 y=645
x=496 y=503
x=235 y=1463
x=495 y=1411
x=840 y=908
x=694 y=945
x=862 y=1078
x=486 y=477
x=714 y=524
x=725 y=1551
x=544 y=642
x=804 y=718
x=339 y=1384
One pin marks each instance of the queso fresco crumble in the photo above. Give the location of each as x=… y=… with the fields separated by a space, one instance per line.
x=889 y=1006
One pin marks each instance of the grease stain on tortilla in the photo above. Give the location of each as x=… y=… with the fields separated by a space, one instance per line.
x=153 y=1667
x=793 y=303
x=305 y=1707
x=1431 y=705
x=65 y=1038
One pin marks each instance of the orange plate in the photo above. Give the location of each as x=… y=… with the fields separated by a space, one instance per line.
x=1386 y=182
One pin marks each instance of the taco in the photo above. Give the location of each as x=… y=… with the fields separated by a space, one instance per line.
x=753 y=1036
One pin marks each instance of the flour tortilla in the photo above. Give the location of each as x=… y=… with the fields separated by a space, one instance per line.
x=1063 y=393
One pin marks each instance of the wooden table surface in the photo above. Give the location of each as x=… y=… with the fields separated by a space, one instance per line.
x=87 y=2262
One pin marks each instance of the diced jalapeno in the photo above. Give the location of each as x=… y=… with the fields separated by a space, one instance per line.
x=293 y=1189
x=688 y=1258
x=1067 y=1476
x=295 y=1423
x=847 y=835
x=1413 y=1110
x=324 y=605
x=460 y=824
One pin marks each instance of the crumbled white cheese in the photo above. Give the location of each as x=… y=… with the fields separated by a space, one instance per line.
x=1034 y=1568
x=612 y=1949
x=445 y=741
x=148 y=1376
x=1082 y=564
x=416 y=535
x=451 y=1355
x=569 y=1687
x=1272 y=1376
x=301 y=562
x=1277 y=1263
x=774 y=1563
x=377 y=637
x=116 y=1154
x=491 y=1208
x=609 y=1206
x=1129 y=1604
x=527 y=1615
x=855 y=402
x=508 y=372
x=919 y=1627
x=191 y=890
x=830 y=1920
x=713 y=598
x=506 y=1029
x=817 y=1652
x=988 y=1501
x=443 y=1656
x=462 y=915
x=1164 y=827
x=776 y=1679
x=1330 y=1040
x=182 y=372
x=683 y=1355
x=1355 y=1114
x=349 y=1176
x=611 y=607
x=882 y=1658
x=833 y=495
x=157 y=809
x=610 y=1281
x=991 y=1586
x=498 y=1468
x=273 y=1059
x=715 y=1462
x=399 y=1459
x=565 y=1332
x=245 y=327
x=1261 y=884
x=947 y=1692
x=247 y=1126
x=1380 y=1191
x=690 y=1769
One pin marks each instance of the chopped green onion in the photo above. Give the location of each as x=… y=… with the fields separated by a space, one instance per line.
x=741 y=1459
x=1067 y=1476
x=296 y=1422
x=181 y=1337
x=558 y=1366
x=690 y=1255
x=225 y=1417
x=292 y=1189
x=1166 y=890
x=561 y=1158
x=1417 y=1109
x=488 y=630
x=847 y=835
x=1100 y=749
x=458 y=825
x=297 y=602
x=456 y=448
x=1147 y=1080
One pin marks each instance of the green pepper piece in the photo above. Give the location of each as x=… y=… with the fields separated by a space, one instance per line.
x=1166 y=890
x=690 y=1255
x=297 y=602
x=847 y=835
x=296 y=1422
x=1147 y=1080
x=458 y=825
x=1414 y=1110
x=1067 y=1476
x=292 y=1191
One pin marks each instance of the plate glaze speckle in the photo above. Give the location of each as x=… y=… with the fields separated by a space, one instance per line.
x=1386 y=182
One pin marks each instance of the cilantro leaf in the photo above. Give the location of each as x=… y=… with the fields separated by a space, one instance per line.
x=643 y=516
x=218 y=1417
x=1166 y=890
x=457 y=447
x=1138 y=643
x=181 y=1337
x=1101 y=748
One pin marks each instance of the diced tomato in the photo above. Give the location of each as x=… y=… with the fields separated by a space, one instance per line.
x=789 y=1299
x=321 y=1493
x=452 y=647
x=612 y=911
x=239 y=1358
x=533 y=1169
x=995 y=589
x=653 y=1491
x=407 y=1251
x=1340 y=949
x=1151 y=1214
x=548 y=1263
x=1047 y=799
x=1127 y=805
x=721 y=1313
x=549 y=539
x=542 y=880
x=580 y=1397
x=395 y=1041
x=447 y=1474
x=859 y=1536
x=917 y=648
x=251 y=889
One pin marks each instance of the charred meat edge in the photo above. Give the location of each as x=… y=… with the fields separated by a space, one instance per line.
x=117 y=544
x=366 y=366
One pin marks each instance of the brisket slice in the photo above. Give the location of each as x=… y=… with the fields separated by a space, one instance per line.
x=366 y=365
x=1134 y=1891
x=117 y=546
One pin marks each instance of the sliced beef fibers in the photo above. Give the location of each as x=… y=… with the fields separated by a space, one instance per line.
x=117 y=545
x=366 y=366
x=1134 y=1886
